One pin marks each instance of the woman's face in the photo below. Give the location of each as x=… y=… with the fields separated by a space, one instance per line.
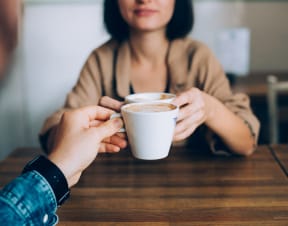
x=147 y=15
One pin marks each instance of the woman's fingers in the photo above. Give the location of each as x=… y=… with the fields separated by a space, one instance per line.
x=110 y=103
x=187 y=126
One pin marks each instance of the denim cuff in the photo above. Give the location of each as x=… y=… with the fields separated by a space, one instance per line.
x=32 y=199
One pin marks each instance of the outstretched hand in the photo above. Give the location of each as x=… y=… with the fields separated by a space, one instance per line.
x=79 y=137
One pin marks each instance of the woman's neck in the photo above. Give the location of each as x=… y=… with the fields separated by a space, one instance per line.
x=150 y=47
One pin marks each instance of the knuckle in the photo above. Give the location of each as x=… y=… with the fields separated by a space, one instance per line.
x=66 y=114
x=103 y=100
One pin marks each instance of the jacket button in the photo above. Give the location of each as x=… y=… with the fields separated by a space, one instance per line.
x=45 y=218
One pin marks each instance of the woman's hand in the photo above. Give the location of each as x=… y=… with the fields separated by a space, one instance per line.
x=110 y=103
x=196 y=107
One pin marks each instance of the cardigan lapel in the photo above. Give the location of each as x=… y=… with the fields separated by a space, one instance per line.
x=178 y=65
x=123 y=65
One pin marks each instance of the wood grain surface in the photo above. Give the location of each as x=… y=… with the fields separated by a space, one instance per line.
x=190 y=187
x=280 y=152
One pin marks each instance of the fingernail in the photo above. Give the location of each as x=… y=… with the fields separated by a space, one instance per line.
x=118 y=122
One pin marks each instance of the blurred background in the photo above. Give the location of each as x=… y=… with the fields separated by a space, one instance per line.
x=54 y=37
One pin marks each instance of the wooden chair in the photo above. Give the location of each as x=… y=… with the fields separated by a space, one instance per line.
x=274 y=88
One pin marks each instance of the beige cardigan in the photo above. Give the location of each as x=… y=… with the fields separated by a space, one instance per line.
x=190 y=64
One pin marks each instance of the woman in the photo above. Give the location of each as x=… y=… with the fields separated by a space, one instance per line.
x=149 y=51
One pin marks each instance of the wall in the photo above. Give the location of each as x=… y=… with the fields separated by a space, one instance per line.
x=267 y=21
x=55 y=49
x=57 y=38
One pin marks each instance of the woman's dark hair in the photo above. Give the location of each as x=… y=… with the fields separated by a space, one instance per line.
x=179 y=26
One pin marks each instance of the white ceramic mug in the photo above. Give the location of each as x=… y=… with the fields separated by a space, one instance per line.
x=146 y=97
x=150 y=128
x=149 y=97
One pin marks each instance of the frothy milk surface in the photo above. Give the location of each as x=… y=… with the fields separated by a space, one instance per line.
x=149 y=97
x=152 y=97
x=150 y=108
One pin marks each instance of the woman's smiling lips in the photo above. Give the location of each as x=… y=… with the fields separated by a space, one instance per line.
x=145 y=12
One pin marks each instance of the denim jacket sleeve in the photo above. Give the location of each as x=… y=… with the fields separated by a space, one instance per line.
x=28 y=200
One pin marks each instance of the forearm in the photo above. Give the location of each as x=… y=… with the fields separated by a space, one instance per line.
x=233 y=130
x=36 y=207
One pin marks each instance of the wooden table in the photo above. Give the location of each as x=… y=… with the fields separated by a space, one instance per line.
x=187 y=188
x=255 y=85
x=280 y=153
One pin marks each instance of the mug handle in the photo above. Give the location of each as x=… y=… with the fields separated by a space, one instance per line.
x=118 y=115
